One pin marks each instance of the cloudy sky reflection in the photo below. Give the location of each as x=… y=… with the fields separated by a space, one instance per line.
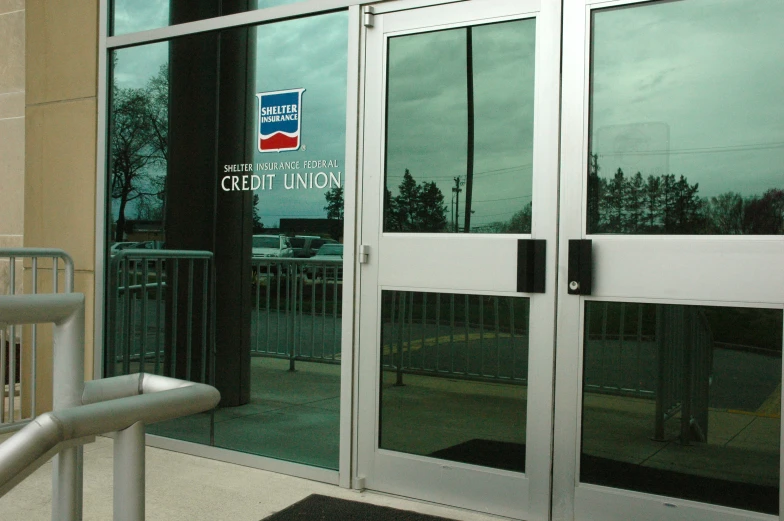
x=308 y=53
x=142 y=15
x=692 y=88
x=427 y=116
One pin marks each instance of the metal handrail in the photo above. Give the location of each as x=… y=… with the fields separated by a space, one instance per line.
x=82 y=410
x=112 y=404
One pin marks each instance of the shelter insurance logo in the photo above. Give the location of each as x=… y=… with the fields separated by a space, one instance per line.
x=279 y=120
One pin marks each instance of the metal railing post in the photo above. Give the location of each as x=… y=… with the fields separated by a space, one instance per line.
x=129 y=469
x=661 y=375
x=68 y=387
x=67 y=313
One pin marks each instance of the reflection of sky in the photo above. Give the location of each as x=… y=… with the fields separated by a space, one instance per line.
x=136 y=65
x=141 y=15
x=427 y=115
x=692 y=87
x=308 y=53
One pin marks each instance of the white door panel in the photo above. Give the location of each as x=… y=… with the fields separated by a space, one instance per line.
x=418 y=262
x=681 y=268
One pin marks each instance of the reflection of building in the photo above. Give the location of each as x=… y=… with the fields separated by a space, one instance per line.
x=402 y=363
x=139 y=230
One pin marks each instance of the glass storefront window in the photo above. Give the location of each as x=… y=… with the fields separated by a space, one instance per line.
x=687 y=119
x=232 y=143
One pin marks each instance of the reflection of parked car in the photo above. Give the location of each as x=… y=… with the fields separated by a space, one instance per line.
x=328 y=252
x=148 y=245
x=144 y=245
x=118 y=246
x=271 y=246
x=306 y=246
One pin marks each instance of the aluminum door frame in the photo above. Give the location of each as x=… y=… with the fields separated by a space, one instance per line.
x=759 y=287
x=545 y=185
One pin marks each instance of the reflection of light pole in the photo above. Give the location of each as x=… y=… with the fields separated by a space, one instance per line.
x=470 y=136
x=456 y=190
x=453 y=210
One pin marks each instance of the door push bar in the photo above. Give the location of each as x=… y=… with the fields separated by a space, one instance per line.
x=580 y=270
x=531 y=258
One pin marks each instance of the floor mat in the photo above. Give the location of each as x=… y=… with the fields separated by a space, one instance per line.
x=323 y=508
x=488 y=453
x=624 y=475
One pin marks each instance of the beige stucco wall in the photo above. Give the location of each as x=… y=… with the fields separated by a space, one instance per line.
x=12 y=131
x=60 y=124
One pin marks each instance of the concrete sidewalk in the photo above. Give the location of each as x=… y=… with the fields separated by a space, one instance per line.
x=187 y=488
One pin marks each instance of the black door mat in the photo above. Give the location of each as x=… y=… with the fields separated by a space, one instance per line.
x=620 y=474
x=323 y=508
x=488 y=453
x=627 y=476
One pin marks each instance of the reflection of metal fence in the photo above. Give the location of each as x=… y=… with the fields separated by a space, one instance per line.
x=620 y=348
x=684 y=365
x=297 y=309
x=147 y=288
x=663 y=352
x=471 y=337
x=18 y=376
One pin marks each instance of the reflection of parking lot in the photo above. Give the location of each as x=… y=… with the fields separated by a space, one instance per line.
x=740 y=379
x=744 y=380
x=467 y=351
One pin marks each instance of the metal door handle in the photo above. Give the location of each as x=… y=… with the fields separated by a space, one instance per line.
x=580 y=272
x=531 y=258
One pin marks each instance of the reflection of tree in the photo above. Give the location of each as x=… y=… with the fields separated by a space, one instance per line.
x=416 y=208
x=430 y=216
x=594 y=196
x=520 y=222
x=150 y=207
x=258 y=226
x=139 y=148
x=668 y=205
x=765 y=215
x=334 y=206
x=131 y=152
x=725 y=213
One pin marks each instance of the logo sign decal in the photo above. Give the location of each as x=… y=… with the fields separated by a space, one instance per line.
x=279 y=120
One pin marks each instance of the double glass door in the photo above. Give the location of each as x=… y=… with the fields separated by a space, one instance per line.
x=572 y=288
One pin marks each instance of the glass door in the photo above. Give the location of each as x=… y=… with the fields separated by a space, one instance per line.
x=668 y=380
x=459 y=185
